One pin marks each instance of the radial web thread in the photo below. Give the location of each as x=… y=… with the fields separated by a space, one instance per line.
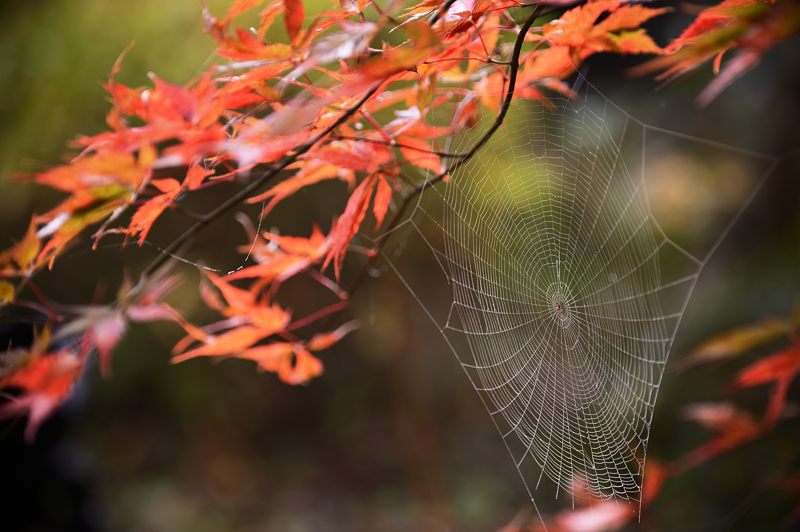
x=567 y=291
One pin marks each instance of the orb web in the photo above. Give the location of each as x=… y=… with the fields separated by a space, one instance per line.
x=567 y=282
x=556 y=294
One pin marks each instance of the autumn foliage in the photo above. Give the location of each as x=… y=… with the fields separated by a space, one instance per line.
x=352 y=95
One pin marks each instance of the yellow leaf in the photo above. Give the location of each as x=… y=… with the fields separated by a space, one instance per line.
x=737 y=341
x=26 y=250
x=6 y=292
x=633 y=42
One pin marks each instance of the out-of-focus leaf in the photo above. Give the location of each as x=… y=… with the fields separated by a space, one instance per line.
x=656 y=474
x=246 y=45
x=227 y=344
x=304 y=367
x=6 y=292
x=737 y=342
x=45 y=380
x=293 y=255
x=422 y=41
x=604 y=515
x=322 y=341
x=779 y=368
x=734 y=428
x=293 y=17
x=748 y=27
x=26 y=250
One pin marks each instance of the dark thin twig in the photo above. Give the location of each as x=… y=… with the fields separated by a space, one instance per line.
x=180 y=209
x=487 y=60
x=501 y=115
x=441 y=11
x=318 y=315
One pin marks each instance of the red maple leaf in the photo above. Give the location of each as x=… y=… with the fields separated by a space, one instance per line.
x=45 y=379
x=779 y=369
x=734 y=428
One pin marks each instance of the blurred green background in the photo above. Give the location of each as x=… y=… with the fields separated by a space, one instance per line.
x=392 y=437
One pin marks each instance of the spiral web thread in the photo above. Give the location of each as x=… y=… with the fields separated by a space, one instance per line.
x=566 y=291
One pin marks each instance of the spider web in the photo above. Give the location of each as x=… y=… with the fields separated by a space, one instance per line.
x=566 y=279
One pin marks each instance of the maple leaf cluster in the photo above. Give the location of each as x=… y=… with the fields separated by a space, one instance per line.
x=349 y=95
x=744 y=28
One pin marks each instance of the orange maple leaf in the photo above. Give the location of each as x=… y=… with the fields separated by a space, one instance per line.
x=577 y=35
x=422 y=43
x=250 y=320
x=169 y=189
x=246 y=45
x=419 y=153
x=293 y=363
x=349 y=222
x=292 y=255
x=293 y=18
x=322 y=341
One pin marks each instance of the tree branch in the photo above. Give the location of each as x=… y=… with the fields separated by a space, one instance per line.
x=441 y=11
x=252 y=187
x=462 y=158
